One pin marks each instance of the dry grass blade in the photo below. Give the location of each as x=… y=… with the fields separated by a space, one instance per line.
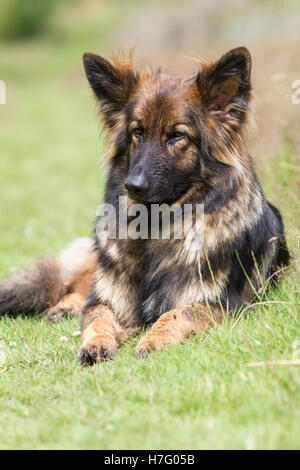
x=281 y=362
x=256 y=304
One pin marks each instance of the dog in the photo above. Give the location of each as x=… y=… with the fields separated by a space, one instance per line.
x=171 y=140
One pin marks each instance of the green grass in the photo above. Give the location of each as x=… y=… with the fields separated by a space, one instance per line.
x=198 y=395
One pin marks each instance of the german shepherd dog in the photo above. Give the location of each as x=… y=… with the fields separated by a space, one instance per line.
x=170 y=140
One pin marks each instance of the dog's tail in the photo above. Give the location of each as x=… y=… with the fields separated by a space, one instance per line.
x=33 y=290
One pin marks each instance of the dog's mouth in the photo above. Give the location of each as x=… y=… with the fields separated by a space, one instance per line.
x=146 y=200
x=141 y=199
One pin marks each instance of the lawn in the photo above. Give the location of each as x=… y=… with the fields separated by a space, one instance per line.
x=199 y=395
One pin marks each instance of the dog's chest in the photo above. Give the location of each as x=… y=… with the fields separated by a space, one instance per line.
x=147 y=278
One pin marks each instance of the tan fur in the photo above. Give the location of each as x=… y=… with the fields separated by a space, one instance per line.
x=78 y=266
x=117 y=293
x=178 y=325
x=102 y=334
x=227 y=226
x=69 y=305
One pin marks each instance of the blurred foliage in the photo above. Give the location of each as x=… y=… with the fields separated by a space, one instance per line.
x=24 y=18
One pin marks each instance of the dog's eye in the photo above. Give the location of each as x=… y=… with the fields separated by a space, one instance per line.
x=176 y=136
x=138 y=132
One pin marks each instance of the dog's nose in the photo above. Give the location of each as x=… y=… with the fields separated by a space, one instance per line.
x=137 y=186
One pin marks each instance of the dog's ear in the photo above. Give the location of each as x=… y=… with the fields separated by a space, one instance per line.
x=112 y=84
x=225 y=85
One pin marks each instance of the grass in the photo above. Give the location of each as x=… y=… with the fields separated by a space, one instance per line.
x=198 y=395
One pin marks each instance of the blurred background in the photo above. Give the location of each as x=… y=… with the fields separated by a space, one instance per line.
x=50 y=142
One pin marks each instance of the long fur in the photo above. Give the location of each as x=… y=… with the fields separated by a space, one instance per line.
x=34 y=289
x=170 y=140
x=142 y=279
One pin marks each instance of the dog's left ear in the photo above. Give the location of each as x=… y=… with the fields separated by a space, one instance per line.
x=112 y=84
x=225 y=85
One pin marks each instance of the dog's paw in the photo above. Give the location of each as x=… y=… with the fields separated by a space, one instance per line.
x=92 y=353
x=151 y=342
x=59 y=312
x=56 y=314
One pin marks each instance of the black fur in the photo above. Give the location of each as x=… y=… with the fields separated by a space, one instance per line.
x=33 y=290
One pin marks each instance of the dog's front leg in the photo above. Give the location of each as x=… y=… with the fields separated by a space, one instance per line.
x=178 y=325
x=101 y=335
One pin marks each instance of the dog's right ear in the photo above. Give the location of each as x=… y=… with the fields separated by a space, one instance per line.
x=225 y=86
x=112 y=84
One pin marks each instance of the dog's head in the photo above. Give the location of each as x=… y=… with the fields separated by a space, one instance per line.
x=173 y=132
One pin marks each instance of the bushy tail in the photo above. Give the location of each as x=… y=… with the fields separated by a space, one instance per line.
x=33 y=290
